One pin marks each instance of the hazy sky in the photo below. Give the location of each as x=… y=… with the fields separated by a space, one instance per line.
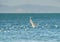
x=29 y=6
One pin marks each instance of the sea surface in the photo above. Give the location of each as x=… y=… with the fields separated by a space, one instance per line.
x=15 y=27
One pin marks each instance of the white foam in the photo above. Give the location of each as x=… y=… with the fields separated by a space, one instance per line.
x=0 y=30
x=56 y=25
x=5 y=31
x=53 y=40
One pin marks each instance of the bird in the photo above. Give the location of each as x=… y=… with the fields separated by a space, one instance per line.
x=32 y=23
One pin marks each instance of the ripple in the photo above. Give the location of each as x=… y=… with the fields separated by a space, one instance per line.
x=44 y=31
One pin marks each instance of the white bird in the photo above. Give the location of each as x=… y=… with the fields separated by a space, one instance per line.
x=32 y=23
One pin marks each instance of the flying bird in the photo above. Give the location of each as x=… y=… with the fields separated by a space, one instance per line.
x=32 y=23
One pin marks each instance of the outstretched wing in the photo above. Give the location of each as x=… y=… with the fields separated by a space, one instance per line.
x=32 y=23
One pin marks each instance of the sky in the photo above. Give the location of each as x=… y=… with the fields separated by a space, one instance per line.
x=29 y=6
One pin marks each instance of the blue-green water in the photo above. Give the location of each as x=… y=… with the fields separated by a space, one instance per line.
x=15 y=27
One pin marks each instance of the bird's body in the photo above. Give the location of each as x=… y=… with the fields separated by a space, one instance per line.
x=32 y=23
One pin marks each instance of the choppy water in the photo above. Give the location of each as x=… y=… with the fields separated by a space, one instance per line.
x=16 y=27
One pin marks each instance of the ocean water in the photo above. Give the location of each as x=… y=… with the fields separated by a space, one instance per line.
x=15 y=27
